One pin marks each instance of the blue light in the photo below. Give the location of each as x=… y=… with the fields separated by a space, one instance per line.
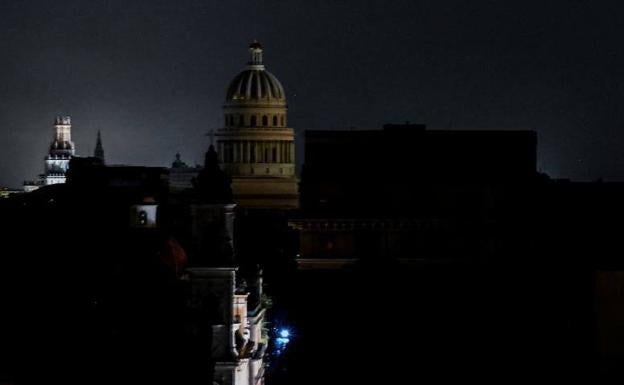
x=284 y=333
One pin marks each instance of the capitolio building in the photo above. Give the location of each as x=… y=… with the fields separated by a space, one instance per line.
x=256 y=147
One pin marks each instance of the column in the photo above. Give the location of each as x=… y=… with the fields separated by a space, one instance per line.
x=284 y=152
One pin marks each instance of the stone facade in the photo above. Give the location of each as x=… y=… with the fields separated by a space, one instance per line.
x=237 y=350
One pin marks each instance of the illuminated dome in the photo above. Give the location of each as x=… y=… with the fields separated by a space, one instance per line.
x=256 y=148
x=255 y=84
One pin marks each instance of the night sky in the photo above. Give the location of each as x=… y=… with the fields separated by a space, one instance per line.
x=151 y=75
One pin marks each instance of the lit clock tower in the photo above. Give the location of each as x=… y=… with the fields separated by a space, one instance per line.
x=61 y=151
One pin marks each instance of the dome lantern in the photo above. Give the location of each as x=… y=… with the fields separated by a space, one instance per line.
x=255 y=55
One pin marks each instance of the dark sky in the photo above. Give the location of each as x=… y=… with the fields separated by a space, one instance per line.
x=152 y=74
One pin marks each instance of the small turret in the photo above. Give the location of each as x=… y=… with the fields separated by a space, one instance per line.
x=255 y=54
x=213 y=184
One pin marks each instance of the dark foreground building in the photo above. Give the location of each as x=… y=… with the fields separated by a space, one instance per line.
x=445 y=254
x=109 y=279
x=405 y=192
x=416 y=254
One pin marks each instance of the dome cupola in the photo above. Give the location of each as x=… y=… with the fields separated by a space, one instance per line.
x=255 y=85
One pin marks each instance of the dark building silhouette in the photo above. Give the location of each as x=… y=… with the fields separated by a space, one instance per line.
x=458 y=254
x=102 y=291
x=408 y=192
x=122 y=284
x=212 y=183
x=99 y=149
x=448 y=250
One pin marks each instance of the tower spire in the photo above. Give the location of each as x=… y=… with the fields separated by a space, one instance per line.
x=211 y=134
x=99 y=149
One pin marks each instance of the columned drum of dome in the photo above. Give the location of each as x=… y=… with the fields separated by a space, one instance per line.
x=256 y=146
